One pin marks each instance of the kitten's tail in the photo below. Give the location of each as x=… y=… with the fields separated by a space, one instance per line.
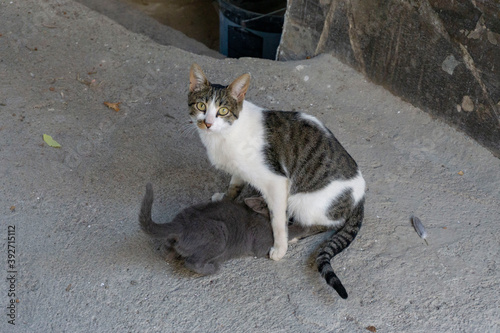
x=147 y=224
x=336 y=244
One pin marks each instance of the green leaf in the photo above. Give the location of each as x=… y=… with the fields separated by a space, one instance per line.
x=51 y=142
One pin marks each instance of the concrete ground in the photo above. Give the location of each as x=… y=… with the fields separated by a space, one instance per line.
x=81 y=263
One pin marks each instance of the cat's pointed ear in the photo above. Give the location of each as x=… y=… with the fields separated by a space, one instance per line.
x=257 y=204
x=197 y=79
x=239 y=87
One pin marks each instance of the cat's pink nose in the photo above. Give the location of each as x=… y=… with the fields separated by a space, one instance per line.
x=208 y=125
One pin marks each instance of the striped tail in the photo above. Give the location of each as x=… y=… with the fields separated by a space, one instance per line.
x=165 y=230
x=336 y=244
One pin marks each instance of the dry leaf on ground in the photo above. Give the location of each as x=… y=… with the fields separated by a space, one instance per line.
x=113 y=106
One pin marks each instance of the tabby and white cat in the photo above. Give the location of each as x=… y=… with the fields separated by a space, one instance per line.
x=297 y=164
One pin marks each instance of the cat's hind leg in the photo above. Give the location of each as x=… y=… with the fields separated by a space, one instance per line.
x=205 y=261
x=209 y=252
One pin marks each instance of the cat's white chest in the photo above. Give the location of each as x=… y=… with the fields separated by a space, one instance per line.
x=239 y=150
x=223 y=154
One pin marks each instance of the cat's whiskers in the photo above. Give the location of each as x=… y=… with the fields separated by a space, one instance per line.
x=188 y=129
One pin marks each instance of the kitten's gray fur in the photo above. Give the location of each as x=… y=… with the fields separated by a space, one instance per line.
x=208 y=234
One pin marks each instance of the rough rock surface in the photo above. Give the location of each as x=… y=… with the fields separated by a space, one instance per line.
x=84 y=266
x=441 y=56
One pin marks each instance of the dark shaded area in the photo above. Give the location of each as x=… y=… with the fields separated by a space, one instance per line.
x=138 y=22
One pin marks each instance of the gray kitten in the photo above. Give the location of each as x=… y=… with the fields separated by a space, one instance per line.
x=208 y=234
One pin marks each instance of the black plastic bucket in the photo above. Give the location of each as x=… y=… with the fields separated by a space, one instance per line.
x=251 y=28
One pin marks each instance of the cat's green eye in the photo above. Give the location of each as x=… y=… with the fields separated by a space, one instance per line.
x=223 y=112
x=201 y=106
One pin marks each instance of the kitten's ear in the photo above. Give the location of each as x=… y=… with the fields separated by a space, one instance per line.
x=239 y=87
x=257 y=204
x=197 y=79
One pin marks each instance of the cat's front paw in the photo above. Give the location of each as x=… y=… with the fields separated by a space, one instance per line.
x=218 y=197
x=276 y=253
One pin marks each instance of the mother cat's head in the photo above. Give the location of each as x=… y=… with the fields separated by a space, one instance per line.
x=214 y=107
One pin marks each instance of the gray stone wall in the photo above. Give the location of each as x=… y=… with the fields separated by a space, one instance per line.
x=442 y=56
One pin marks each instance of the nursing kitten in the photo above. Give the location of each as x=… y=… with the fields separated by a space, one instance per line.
x=297 y=164
x=208 y=234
